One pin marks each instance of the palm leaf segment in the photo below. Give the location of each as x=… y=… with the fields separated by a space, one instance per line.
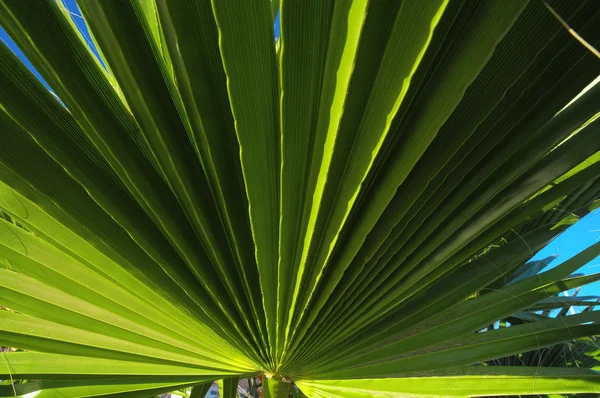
x=204 y=204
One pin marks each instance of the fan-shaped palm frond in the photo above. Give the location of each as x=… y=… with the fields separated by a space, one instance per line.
x=205 y=202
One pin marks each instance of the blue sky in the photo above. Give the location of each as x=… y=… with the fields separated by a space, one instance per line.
x=577 y=238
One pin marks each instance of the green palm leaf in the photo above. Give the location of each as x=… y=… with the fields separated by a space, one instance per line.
x=342 y=207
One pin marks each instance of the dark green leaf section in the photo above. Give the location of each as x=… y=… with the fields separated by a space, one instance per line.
x=137 y=64
x=439 y=205
x=246 y=45
x=358 y=133
x=192 y=38
x=304 y=52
